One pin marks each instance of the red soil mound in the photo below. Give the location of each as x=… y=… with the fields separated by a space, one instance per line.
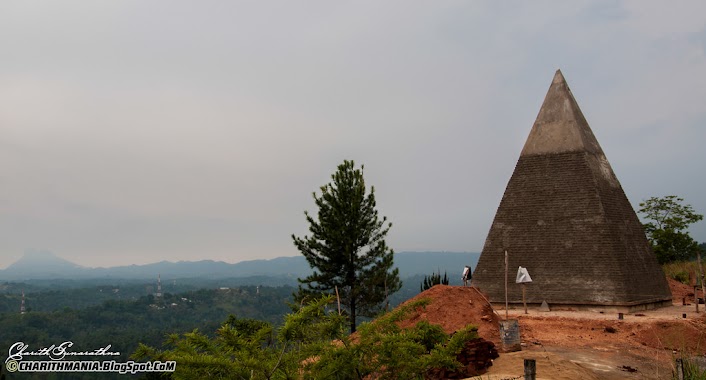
x=454 y=307
x=680 y=291
x=680 y=335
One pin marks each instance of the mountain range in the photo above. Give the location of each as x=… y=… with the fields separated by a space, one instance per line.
x=42 y=265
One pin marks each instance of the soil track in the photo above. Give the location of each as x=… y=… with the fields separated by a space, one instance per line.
x=577 y=344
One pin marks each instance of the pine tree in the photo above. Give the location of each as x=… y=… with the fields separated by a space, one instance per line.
x=347 y=248
x=434 y=279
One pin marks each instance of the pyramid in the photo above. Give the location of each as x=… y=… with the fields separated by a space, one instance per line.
x=565 y=217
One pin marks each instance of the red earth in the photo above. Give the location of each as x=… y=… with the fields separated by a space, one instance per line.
x=577 y=344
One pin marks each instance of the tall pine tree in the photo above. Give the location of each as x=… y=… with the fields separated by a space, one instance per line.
x=347 y=248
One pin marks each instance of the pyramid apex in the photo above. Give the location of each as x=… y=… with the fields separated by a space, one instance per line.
x=558 y=77
x=560 y=125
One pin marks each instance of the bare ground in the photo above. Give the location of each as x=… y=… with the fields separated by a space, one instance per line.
x=578 y=344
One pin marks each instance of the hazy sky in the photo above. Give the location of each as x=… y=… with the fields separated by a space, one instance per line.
x=140 y=131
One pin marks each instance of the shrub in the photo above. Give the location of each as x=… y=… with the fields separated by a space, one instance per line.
x=311 y=344
x=680 y=270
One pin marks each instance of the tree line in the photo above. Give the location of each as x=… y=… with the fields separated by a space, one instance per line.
x=667 y=228
x=311 y=343
x=125 y=323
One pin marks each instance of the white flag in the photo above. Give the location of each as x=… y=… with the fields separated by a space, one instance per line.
x=522 y=276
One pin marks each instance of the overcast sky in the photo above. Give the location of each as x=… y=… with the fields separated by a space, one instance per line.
x=141 y=131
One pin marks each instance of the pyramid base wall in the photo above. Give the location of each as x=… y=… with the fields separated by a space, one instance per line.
x=614 y=308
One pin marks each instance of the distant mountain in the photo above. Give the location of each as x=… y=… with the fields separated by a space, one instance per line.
x=45 y=265
x=414 y=263
x=42 y=264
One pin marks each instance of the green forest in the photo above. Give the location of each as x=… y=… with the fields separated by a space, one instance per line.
x=94 y=315
x=124 y=324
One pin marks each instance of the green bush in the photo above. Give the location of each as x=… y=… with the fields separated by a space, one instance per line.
x=311 y=344
x=682 y=277
x=383 y=350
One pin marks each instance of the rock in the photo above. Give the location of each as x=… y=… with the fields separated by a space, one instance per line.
x=544 y=307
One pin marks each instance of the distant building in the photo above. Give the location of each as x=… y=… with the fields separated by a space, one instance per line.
x=22 y=304
x=159 y=287
x=565 y=217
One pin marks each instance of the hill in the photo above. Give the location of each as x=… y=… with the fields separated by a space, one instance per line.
x=45 y=265
x=42 y=264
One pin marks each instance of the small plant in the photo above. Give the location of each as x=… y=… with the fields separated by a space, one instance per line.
x=434 y=279
x=682 y=277
x=690 y=369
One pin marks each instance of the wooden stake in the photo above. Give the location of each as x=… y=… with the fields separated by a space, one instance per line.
x=530 y=369
x=524 y=287
x=387 y=302
x=680 y=369
x=696 y=298
x=506 y=303
x=701 y=275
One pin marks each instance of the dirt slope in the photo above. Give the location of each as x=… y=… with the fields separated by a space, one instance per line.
x=573 y=344
x=454 y=307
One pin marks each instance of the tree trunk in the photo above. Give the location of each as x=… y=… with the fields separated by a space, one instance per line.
x=352 y=311
x=351 y=278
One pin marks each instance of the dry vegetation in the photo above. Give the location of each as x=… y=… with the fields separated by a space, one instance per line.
x=682 y=271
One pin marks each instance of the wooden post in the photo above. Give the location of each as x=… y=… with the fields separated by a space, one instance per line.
x=338 y=299
x=696 y=298
x=680 y=369
x=387 y=298
x=530 y=369
x=506 y=303
x=701 y=275
x=524 y=288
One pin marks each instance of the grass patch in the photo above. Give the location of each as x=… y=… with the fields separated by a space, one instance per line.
x=692 y=368
x=680 y=270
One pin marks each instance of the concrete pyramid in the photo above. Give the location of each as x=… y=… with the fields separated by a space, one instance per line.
x=565 y=217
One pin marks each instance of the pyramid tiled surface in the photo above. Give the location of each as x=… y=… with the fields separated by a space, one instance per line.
x=565 y=217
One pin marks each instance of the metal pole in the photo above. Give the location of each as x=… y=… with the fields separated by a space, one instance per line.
x=523 y=296
x=506 y=303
